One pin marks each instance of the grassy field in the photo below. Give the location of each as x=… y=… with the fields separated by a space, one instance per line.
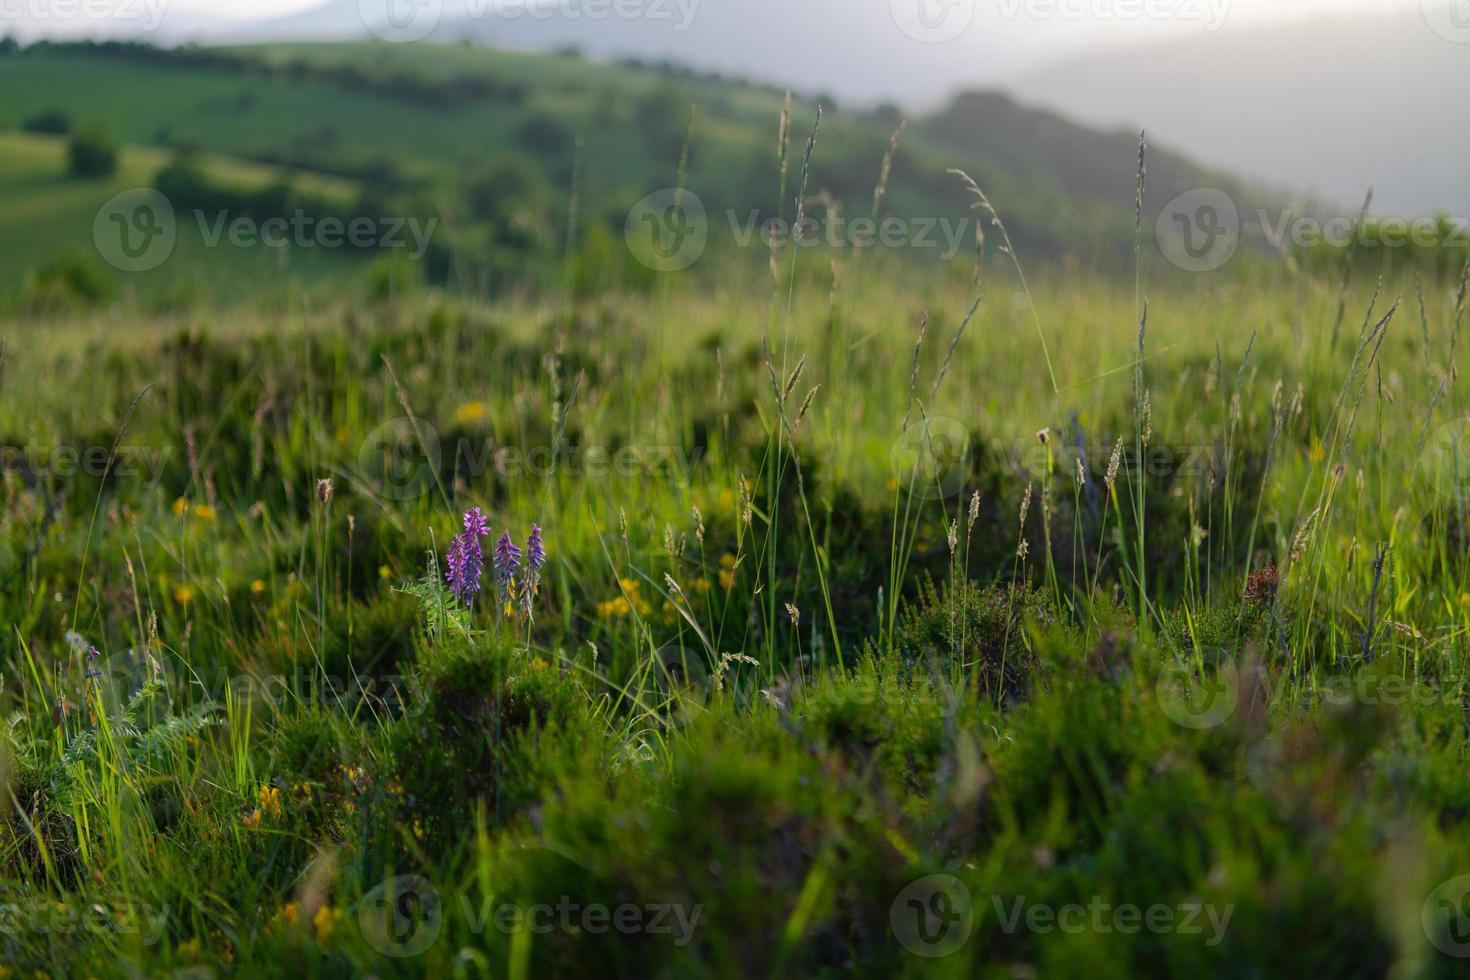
x=826 y=613
x=46 y=213
x=785 y=658
x=487 y=140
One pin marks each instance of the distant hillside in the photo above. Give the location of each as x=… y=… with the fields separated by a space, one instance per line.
x=47 y=219
x=1327 y=107
x=492 y=143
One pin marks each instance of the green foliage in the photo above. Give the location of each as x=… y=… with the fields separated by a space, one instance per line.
x=983 y=633
x=51 y=122
x=70 y=280
x=769 y=680
x=92 y=152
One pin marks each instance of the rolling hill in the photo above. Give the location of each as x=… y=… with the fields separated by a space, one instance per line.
x=493 y=143
x=47 y=216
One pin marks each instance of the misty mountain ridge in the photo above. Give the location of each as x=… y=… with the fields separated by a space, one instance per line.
x=1323 y=107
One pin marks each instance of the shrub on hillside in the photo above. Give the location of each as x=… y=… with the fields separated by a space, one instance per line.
x=51 y=122
x=70 y=280
x=480 y=738
x=983 y=629
x=92 y=153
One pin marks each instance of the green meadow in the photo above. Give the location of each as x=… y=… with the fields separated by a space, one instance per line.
x=1037 y=610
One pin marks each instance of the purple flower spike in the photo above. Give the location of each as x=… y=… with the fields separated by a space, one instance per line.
x=535 y=558
x=507 y=564
x=475 y=523
x=464 y=559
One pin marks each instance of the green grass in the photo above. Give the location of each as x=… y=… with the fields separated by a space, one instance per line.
x=615 y=752
x=46 y=211
x=843 y=660
x=623 y=128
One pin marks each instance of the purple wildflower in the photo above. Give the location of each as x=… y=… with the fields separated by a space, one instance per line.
x=535 y=558
x=92 y=657
x=507 y=563
x=464 y=557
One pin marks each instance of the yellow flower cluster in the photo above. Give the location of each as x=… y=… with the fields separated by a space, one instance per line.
x=324 y=922
x=727 y=571
x=201 y=512
x=631 y=600
x=289 y=917
x=269 y=804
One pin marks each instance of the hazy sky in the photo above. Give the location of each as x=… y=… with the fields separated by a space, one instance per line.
x=1255 y=9
x=1241 y=11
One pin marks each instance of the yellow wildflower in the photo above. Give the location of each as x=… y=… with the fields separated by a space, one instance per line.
x=324 y=922
x=270 y=801
x=472 y=411
x=204 y=512
x=257 y=586
x=183 y=595
x=181 y=506
x=289 y=916
x=617 y=606
x=251 y=820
